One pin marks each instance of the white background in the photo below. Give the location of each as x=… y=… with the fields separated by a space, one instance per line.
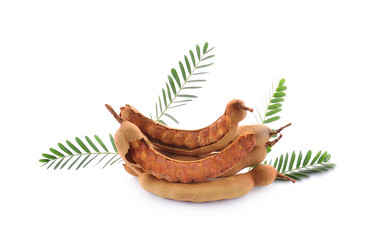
x=60 y=61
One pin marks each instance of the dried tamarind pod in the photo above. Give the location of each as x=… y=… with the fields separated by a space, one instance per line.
x=214 y=137
x=262 y=132
x=254 y=157
x=129 y=138
x=211 y=190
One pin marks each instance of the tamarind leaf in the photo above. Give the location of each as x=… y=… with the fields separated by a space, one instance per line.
x=182 y=71
x=279 y=94
x=91 y=160
x=73 y=147
x=44 y=160
x=61 y=146
x=82 y=162
x=187 y=64
x=162 y=122
x=200 y=80
x=186 y=96
x=327 y=158
x=292 y=161
x=172 y=84
x=179 y=105
x=48 y=156
x=274 y=106
x=194 y=87
x=299 y=159
x=91 y=144
x=273 y=119
x=316 y=157
x=198 y=52
x=180 y=101
x=269 y=149
x=52 y=162
x=56 y=152
x=285 y=162
x=176 y=77
x=57 y=165
x=73 y=163
x=169 y=94
x=209 y=50
x=208 y=57
x=115 y=161
x=307 y=158
x=321 y=159
x=276 y=100
x=205 y=47
x=200 y=73
x=280 y=163
x=161 y=108
x=100 y=160
x=112 y=141
x=274 y=111
x=206 y=65
x=82 y=145
x=164 y=97
x=282 y=82
x=275 y=163
x=64 y=164
x=281 y=89
x=171 y=117
x=101 y=143
x=109 y=161
x=192 y=57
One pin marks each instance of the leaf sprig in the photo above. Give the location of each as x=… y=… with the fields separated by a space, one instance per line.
x=173 y=95
x=298 y=167
x=73 y=155
x=274 y=104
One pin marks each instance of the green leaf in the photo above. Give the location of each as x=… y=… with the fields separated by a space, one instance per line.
x=205 y=47
x=175 y=106
x=321 y=159
x=109 y=161
x=57 y=165
x=171 y=117
x=61 y=146
x=182 y=71
x=172 y=84
x=274 y=111
x=156 y=108
x=209 y=50
x=161 y=108
x=275 y=163
x=292 y=161
x=192 y=57
x=164 y=97
x=299 y=159
x=273 y=119
x=281 y=89
x=64 y=164
x=281 y=83
x=101 y=143
x=276 y=100
x=82 y=162
x=91 y=160
x=279 y=94
x=274 y=106
x=186 y=96
x=186 y=100
x=307 y=158
x=200 y=80
x=56 y=152
x=91 y=144
x=200 y=73
x=112 y=141
x=285 y=162
x=73 y=163
x=169 y=93
x=198 y=52
x=82 y=145
x=44 y=160
x=327 y=158
x=206 y=65
x=280 y=163
x=208 y=57
x=187 y=64
x=176 y=77
x=194 y=87
x=48 y=156
x=73 y=147
x=162 y=122
x=316 y=158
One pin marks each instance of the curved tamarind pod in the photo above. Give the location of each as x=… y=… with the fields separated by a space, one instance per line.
x=174 y=170
x=254 y=157
x=129 y=138
x=262 y=132
x=214 y=137
x=211 y=190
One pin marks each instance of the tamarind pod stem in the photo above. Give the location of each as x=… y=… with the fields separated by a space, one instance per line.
x=211 y=190
x=187 y=171
x=170 y=139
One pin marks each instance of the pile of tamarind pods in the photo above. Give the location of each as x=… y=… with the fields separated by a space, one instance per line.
x=196 y=165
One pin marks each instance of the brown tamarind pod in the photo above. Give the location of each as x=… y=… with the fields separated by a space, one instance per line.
x=129 y=138
x=211 y=190
x=214 y=137
x=254 y=157
x=262 y=132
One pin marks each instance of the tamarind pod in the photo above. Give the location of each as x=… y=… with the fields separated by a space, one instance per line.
x=254 y=157
x=211 y=138
x=262 y=132
x=174 y=170
x=210 y=190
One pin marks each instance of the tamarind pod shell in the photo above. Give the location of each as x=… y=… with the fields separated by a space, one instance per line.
x=262 y=132
x=214 y=137
x=254 y=157
x=210 y=190
x=174 y=170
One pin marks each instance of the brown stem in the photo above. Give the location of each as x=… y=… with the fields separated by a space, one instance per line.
x=245 y=108
x=280 y=175
x=275 y=132
x=271 y=143
x=115 y=115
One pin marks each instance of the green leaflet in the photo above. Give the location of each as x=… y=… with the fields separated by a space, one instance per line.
x=58 y=160
x=180 y=85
